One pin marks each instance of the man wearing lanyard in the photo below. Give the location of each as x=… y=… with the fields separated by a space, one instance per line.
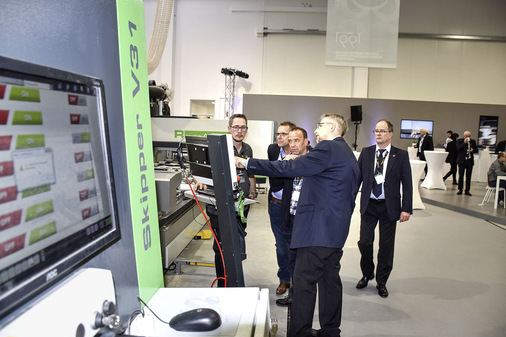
x=383 y=168
x=299 y=146
x=321 y=224
x=278 y=151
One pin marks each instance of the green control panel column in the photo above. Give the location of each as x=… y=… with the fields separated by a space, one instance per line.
x=138 y=142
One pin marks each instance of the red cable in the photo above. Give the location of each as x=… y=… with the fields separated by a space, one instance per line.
x=215 y=239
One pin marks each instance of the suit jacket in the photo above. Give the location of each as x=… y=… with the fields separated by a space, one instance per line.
x=501 y=146
x=327 y=198
x=451 y=148
x=275 y=183
x=286 y=200
x=398 y=171
x=427 y=145
x=462 y=150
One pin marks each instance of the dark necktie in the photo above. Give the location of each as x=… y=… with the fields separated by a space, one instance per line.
x=376 y=189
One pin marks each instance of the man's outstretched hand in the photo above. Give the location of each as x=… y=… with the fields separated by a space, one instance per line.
x=240 y=162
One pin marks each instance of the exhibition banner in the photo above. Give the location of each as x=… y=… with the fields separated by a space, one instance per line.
x=139 y=150
x=362 y=33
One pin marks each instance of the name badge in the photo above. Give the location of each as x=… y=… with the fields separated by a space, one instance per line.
x=380 y=179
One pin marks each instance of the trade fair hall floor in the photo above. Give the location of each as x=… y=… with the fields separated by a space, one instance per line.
x=449 y=276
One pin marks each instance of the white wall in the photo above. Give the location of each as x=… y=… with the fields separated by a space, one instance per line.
x=444 y=71
x=212 y=34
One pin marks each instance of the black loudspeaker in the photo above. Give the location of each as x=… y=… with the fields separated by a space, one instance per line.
x=356 y=113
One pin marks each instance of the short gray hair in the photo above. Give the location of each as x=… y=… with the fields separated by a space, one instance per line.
x=341 y=123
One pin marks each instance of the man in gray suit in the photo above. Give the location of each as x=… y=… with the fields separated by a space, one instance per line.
x=497 y=168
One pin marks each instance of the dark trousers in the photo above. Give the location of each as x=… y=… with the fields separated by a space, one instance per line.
x=467 y=167
x=452 y=172
x=212 y=213
x=316 y=266
x=377 y=213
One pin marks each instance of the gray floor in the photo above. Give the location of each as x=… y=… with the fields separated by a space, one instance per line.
x=449 y=277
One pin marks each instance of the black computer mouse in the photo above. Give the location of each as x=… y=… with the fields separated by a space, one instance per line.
x=201 y=319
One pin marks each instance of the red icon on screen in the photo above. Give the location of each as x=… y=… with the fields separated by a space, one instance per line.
x=75 y=118
x=73 y=99
x=4 y=116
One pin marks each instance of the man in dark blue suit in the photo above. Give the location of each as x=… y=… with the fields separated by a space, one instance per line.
x=321 y=223
x=384 y=168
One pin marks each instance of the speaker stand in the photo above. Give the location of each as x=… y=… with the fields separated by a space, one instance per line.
x=356 y=133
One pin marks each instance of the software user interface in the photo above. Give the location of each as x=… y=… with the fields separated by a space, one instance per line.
x=52 y=181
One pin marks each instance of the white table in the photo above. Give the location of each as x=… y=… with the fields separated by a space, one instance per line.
x=417 y=167
x=499 y=178
x=435 y=163
x=412 y=153
x=243 y=311
x=482 y=164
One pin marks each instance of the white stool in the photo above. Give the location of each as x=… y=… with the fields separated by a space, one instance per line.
x=490 y=194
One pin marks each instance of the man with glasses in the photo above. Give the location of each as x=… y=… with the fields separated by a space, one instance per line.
x=238 y=127
x=384 y=168
x=278 y=151
x=321 y=223
x=299 y=146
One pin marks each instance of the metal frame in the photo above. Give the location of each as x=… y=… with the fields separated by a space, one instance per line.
x=225 y=204
x=229 y=94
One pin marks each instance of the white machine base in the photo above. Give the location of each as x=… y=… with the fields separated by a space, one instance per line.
x=62 y=310
x=243 y=311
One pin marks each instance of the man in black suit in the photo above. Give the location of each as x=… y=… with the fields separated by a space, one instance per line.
x=278 y=151
x=321 y=224
x=451 y=148
x=425 y=143
x=383 y=169
x=466 y=148
x=500 y=147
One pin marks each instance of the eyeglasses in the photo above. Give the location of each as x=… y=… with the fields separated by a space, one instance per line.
x=319 y=125
x=284 y=134
x=380 y=131
x=237 y=128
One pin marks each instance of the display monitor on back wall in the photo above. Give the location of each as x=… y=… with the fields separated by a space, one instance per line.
x=410 y=128
x=57 y=200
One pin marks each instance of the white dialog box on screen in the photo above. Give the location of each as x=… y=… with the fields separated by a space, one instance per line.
x=33 y=168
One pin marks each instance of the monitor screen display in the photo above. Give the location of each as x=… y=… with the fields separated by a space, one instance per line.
x=57 y=201
x=487 y=133
x=200 y=161
x=198 y=157
x=410 y=128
